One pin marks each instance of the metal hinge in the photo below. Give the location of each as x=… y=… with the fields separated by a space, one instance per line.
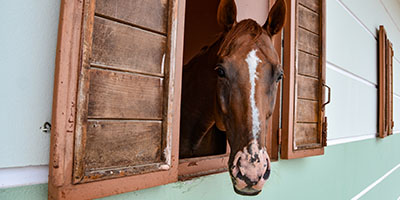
x=324 y=131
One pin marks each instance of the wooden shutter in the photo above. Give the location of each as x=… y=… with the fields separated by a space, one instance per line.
x=116 y=97
x=385 y=90
x=303 y=116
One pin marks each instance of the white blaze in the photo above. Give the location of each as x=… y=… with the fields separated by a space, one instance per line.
x=252 y=60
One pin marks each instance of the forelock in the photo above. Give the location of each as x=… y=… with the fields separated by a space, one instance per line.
x=244 y=27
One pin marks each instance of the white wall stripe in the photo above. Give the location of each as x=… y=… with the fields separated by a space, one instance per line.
x=356 y=18
x=396 y=59
x=375 y=183
x=396 y=95
x=21 y=176
x=337 y=141
x=350 y=74
x=390 y=16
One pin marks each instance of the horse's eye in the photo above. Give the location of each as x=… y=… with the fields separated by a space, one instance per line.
x=220 y=71
x=280 y=76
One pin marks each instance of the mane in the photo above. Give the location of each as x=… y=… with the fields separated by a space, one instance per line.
x=247 y=26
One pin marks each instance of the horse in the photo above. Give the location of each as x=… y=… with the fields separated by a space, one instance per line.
x=228 y=91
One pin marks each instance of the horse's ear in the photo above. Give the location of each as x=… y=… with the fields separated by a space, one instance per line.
x=226 y=15
x=276 y=18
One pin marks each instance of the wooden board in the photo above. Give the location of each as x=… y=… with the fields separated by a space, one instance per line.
x=307 y=111
x=309 y=64
x=123 y=95
x=306 y=134
x=116 y=143
x=313 y=5
x=127 y=48
x=308 y=87
x=150 y=14
x=308 y=42
x=309 y=19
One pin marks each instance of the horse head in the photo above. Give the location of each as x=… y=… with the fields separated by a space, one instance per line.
x=248 y=73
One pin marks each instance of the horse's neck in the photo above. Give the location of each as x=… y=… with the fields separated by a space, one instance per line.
x=204 y=60
x=198 y=96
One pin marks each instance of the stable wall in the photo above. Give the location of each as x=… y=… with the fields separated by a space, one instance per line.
x=354 y=158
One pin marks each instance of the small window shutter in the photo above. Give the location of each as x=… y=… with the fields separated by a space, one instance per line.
x=385 y=84
x=116 y=97
x=303 y=116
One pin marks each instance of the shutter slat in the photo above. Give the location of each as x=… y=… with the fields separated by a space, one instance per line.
x=151 y=14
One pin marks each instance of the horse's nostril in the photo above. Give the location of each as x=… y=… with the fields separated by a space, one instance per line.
x=266 y=174
x=238 y=163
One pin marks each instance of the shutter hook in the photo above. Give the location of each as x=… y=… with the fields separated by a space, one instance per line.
x=329 y=95
x=46 y=128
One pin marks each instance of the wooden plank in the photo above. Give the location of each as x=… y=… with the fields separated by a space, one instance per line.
x=151 y=14
x=307 y=111
x=124 y=95
x=307 y=87
x=309 y=19
x=308 y=64
x=122 y=143
x=122 y=47
x=306 y=133
x=64 y=95
x=314 y=5
x=309 y=42
x=193 y=167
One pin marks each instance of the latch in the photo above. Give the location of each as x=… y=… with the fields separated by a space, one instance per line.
x=46 y=128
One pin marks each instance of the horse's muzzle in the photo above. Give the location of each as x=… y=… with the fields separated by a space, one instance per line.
x=250 y=169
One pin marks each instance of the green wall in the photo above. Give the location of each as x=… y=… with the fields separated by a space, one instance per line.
x=343 y=172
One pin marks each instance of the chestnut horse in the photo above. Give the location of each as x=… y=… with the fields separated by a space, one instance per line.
x=230 y=88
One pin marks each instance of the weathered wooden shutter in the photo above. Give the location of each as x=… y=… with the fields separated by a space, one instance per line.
x=303 y=116
x=116 y=97
x=385 y=93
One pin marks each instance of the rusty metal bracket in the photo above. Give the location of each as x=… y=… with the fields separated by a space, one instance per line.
x=329 y=95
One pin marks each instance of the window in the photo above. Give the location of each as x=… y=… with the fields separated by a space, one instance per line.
x=303 y=97
x=385 y=89
x=201 y=29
